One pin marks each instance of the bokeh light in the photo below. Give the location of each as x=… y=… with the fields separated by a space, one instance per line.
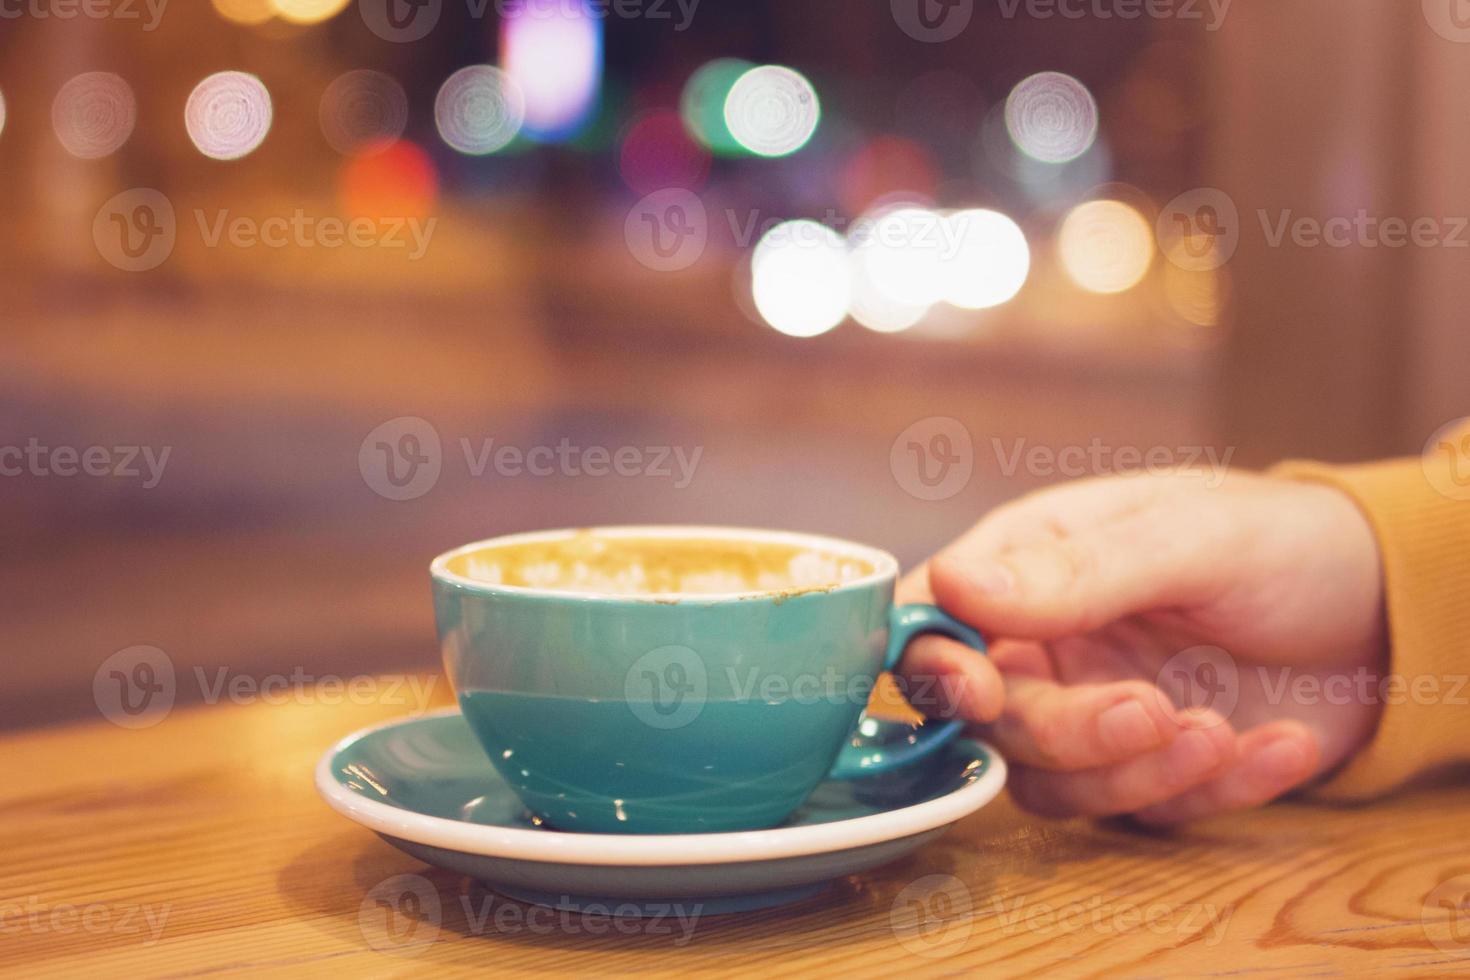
x=2 y=112
x=657 y=153
x=1051 y=117
x=873 y=309
x=479 y=110
x=307 y=11
x=1105 y=246
x=1053 y=186
x=899 y=253
x=702 y=104
x=228 y=114
x=93 y=114
x=986 y=261
x=801 y=280
x=552 y=49
x=772 y=111
x=251 y=13
x=1197 y=297
x=395 y=181
x=363 y=110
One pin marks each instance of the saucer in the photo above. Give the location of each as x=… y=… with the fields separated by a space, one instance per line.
x=424 y=785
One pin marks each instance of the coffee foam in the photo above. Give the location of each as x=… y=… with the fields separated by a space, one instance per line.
x=618 y=565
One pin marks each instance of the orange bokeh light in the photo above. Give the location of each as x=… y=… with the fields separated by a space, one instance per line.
x=397 y=181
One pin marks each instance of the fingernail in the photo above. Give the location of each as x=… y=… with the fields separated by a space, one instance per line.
x=991 y=577
x=1284 y=759
x=1126 y=727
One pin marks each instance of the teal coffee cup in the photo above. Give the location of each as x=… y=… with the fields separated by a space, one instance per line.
x=676 y=679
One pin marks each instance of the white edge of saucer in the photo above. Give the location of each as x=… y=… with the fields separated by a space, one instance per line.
x=650 y=850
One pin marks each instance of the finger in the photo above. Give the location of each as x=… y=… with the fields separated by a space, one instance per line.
x=1271 y=759
x=1194 y=757
x=1068 y=581
x=1066 y=508
x=1049 y=726
x=914 y=586
x=941 y=677
x=944 y=678
x=1022 y=658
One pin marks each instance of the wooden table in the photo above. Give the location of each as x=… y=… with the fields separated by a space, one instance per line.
x=198 y=846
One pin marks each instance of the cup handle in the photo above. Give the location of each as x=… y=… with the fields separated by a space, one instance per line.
x=860 y=757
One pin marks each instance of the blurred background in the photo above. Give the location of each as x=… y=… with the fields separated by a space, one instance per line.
x=299 y=293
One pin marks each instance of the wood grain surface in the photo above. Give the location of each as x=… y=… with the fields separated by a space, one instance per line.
x=198 y=846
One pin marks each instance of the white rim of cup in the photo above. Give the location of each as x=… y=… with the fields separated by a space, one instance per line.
x=884 y=565
x=649 y=850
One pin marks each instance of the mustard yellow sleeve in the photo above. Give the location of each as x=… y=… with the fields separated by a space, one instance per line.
x=1420 y=512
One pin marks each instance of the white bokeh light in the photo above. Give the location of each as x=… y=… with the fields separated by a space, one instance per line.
x=552 y=49
x=228 y=115
x=1105 y=246
x=93 y=114
x=987 y=259
x=479 y=110
x=801 y=279
x=772 y=111
x=1051 y=117
x=900 y=254
x=880 y=313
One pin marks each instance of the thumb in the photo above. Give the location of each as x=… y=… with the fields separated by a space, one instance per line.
x=1066 y=583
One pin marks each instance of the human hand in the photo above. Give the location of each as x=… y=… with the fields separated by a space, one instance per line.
x=1091 y=592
